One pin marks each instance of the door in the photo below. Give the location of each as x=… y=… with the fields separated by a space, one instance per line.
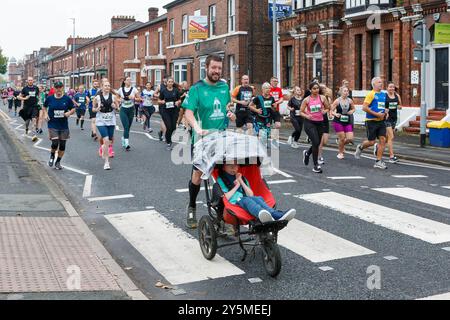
x=441 y=85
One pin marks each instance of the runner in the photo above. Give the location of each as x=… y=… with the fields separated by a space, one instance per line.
x=328 y=93
x=263 y=106
x=4 y=96
x=17 y=102
x=138 y=106
x=374 y=106
x=169 y=102
x=40 y=120
x=91 y=95
x=128 y=93
x=242 y=95
x=184 y=89
x=207 y=109
x=105 y=105
x=342 y=110
x=296 y=119
x=277 y=93
x=81 y=99
x=58 y=108
x=147 y=106
x=313 y=109
x=10 y=93
x=393 y=104
x=162 y=132
x=30 y=111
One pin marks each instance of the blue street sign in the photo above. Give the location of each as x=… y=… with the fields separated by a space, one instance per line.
x=283 y=10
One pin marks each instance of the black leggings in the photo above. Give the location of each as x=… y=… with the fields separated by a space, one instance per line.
x=297 y=122
x=170 y=117
x=314 y=130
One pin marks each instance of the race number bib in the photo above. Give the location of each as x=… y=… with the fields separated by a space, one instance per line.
x=297 y=113
x=107 y=117
x=344 y=118
x=81 y=99
x=315 y=108
x=170 y=105
x=59 y=114
x=32 y=94
x=128 y=104
x=381 y=106
x=393 y=105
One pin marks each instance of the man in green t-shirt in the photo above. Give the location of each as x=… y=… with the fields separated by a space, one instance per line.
x=207 y=110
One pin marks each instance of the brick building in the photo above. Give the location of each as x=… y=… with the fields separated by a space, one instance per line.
x=15 y=72
x=353 y=40
x=146 y=60
x=239 y=31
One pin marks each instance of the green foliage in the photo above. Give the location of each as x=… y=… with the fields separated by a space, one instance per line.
x=3 y=63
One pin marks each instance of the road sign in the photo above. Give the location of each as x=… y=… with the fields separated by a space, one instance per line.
x=418 y=55
x=283 y=9
x=442 y=33
x=417 y=35
x=198 y=27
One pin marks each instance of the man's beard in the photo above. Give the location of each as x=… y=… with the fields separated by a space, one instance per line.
x=211 y=79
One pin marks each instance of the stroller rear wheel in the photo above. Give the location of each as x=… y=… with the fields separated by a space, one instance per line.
x=271 y=258
x=207 y=237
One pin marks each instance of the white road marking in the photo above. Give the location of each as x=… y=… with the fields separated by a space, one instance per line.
x=124 y=196
x=446 y=187
x=254 y=280
x=87 y=187
x=444 y=296
x=418 y=195
x=149 y=208
x=347 y=178
x=446 y=249
x=390 y=258
x=175 y=254
x=187 y=190
x=409 y=163
x=280 y=182
x=284 y=174
x=325 y=268
x=409 y=176
x=75 y=170
x=151 y=138
x=317 y=245
x=417 y=227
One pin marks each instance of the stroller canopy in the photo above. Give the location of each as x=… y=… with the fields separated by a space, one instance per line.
x=221 y=147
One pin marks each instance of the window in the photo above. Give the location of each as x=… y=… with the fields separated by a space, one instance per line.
x=135 y=48
x=105 y=56
x=93 y=58
x=202 y=63
x=158 y=75
x=359 y=61
x=147 y=44
x=184 y=28
x=149 y=75
x=180 y=72
x=172 y=32
x=160 y=42
x=390 y=38
x=133 y=77
x=212 y=20
x=376 y=55
x=289 y=66
x=198 y=13
x=231 y=16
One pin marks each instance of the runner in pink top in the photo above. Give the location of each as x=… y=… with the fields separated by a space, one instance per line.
x=313 y=109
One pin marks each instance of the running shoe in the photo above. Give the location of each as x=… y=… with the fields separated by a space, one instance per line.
x=340 y=156
x=321 y=161
x=107 y=166
x=100 y=152
x=358 y=152
x=290 y=140
x=78 y=121
x=123 y=142
x=264 y=216
x=58 y=165
x=40 y=131
x=393 y=159
x=191 y=218
x=160 y=136
x=295 y=145
x=317 y=169
x=26 y=132
x=288 y=216
x=150 y=130
x=375 y=149
x=169 y=147
x=51 y=162
x=380 y=165
x=111 y=151
x=306 y=158
x=337 y=141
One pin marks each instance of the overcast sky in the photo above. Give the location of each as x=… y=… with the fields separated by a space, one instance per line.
x=27 y=25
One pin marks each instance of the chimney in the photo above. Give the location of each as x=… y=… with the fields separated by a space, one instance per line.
x=152 y=13
x=121 y=21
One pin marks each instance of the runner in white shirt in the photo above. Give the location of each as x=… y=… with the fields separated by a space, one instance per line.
x=128 y=93
x=147 y=106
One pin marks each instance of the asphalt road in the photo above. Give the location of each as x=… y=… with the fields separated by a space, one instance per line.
x=348 y=241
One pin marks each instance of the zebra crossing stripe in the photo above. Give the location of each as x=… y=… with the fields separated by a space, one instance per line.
x=317 y=245
x=175 y=254
x=444 y=296
x=417 y=227
x=418 y=195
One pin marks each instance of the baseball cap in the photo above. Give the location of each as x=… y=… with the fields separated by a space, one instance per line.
x=58 y=84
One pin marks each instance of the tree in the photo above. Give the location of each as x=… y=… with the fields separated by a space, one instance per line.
x=3 y=62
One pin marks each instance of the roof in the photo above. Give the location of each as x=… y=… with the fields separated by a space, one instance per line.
x=149 y=23
x=173 y=4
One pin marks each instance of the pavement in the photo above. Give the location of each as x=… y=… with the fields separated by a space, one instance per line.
x=46 y=250
x=360 y=233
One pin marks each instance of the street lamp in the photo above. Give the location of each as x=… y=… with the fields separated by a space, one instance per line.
x=73 y=54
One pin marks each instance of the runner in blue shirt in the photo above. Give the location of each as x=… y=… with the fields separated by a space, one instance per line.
x=58 y=108
x=81 y=99
x=92 y=115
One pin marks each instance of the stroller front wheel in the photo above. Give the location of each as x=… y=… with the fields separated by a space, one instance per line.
x=207 y=237
x=271 y=258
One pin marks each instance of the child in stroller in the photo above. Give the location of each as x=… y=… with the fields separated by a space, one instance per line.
x=238 y=191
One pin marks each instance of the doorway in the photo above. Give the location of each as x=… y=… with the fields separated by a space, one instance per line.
x=441 y=79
